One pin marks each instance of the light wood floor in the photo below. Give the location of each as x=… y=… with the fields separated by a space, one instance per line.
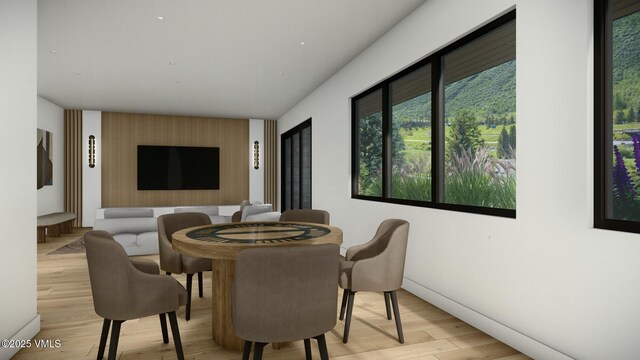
x=66 y=309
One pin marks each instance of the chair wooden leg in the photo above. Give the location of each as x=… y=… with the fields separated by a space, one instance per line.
x=257 y=351
x=115 y=336
x=396 y=314
x=387 y=294
x=347 y=322
x=322 y=346
x=345 y=297
x=176 y=334
x=103 y=338
x=200 y=284
x=189 y=285
x=246 y=351
x=307 y=349
x=163 y=325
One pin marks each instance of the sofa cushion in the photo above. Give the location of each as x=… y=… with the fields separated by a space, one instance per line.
x=209 y=210
x=128 y=213
x=220 y=219
x=127 y=240
x=148 y=242
x=266 y=216
x=255 y=209
x=126 y=225
x=138 y=244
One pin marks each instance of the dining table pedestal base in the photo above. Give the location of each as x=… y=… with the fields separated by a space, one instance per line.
x=221 y=308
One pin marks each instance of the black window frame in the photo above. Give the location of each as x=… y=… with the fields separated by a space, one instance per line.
x=437 y=130
x=603 y=85
x=289 y=134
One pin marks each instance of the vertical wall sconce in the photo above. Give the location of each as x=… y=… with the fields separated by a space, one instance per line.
x=92 y=151
x=256 y=155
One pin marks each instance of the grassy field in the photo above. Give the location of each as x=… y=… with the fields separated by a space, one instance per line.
x=619 y=130
x=418 y=140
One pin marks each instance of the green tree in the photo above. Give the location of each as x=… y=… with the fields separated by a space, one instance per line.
x=504 y=143
x=370 y=141
x=619 y=117
x=631 y=115
x=618 y=103
x=512 y=139
x=464 y=134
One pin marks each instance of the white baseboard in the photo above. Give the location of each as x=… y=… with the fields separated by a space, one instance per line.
x=507 y=335
x=31 y=329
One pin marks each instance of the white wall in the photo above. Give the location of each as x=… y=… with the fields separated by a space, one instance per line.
x=18 y=208
x=256 y=177
x=91 y=177
x=51 y=118
x=546 y=282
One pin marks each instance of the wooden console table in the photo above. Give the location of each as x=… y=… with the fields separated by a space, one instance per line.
x=54 y=224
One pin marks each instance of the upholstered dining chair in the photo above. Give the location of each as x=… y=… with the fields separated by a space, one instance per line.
x=174 y=262
x=125 y=289
x=283 y=294
x=377 y=265
x=306 y=215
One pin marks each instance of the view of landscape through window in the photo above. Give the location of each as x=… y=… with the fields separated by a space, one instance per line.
x=411 y=136
x=625 y=170
x=480 y=122
x=479 y=128
x=369 y=117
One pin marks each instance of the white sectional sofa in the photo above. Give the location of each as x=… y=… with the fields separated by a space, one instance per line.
x=136 y=229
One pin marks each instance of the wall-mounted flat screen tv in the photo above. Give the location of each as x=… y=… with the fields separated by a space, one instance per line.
x=178 y=168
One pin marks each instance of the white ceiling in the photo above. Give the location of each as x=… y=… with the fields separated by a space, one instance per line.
x=226 y=58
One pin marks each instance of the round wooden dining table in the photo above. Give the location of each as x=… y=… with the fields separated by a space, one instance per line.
x=222 y=242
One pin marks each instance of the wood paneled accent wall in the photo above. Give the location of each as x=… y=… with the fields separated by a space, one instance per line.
x=123 y=132
x=271 y=162
x=73 y=151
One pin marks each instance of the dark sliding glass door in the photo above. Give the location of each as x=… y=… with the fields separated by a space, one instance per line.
x=296 y=167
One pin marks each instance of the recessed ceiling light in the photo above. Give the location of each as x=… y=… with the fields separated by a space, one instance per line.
x=171 y=63
x=176 y=82
x=53 y=51
x=303 y=43
x=78 y=73
x=281 y=74
x=160 y=17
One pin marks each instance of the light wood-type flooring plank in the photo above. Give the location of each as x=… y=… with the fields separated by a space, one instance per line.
x=66 y=308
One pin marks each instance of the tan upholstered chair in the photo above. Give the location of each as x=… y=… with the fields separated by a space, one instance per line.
x=126 y=289
x=176 y=263
x=285 y=294
x=375 y=266
x=306 y=215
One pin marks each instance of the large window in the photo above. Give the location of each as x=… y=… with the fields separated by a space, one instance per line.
x=443 y=132
x=617 y=101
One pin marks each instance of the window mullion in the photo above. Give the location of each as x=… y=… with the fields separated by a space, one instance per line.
x=386 y=142
x=355 y=149
x=437 y=130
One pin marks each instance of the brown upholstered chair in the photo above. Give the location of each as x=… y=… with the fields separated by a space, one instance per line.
x=306 y=215
x=126 y=289
x=377 y=265
x=176 y=263
x=285 y=294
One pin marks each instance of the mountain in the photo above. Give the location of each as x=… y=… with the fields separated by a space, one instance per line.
x=626 y=63
x=492 y=90
x=487 y=93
